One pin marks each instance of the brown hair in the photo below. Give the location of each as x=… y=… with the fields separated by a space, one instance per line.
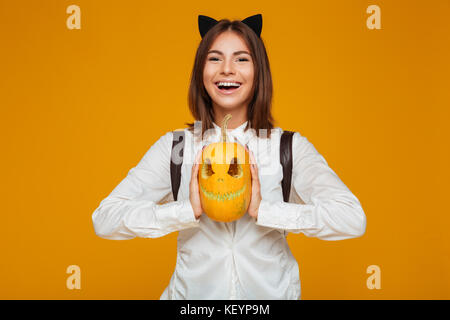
x=259 y=109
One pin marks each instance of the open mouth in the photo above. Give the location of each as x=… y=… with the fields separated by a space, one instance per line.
x=228 y=88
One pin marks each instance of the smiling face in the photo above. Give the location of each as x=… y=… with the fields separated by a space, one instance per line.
x=229 y=60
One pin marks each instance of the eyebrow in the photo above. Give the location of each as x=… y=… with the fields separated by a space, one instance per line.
x=234 y=53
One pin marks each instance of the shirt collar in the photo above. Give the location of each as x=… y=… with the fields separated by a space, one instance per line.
x=237 y=134
x=240 y=128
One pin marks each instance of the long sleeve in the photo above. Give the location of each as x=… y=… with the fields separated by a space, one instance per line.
x=132 y=210
x=330 y=211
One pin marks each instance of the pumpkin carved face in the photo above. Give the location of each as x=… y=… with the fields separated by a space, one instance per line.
x=225 y=181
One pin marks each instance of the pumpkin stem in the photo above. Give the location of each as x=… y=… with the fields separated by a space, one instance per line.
x=224 y=127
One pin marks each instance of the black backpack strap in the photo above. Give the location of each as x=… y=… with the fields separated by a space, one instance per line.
x=175 y=167
x=286 y=162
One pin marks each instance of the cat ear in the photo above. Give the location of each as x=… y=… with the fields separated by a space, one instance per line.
x=205 y=23
x=255 y=23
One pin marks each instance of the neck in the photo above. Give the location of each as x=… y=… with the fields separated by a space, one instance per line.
x=238 y=117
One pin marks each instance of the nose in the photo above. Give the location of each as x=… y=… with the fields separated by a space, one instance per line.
x=219 y=180
x=227 y=66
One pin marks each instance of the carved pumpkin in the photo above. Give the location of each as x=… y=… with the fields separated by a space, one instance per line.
x=225 y=179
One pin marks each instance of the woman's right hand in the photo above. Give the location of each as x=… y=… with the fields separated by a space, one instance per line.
x=194 y=193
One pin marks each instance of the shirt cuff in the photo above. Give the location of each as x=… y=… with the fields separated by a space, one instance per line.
x=284 y=215
x=177 y=216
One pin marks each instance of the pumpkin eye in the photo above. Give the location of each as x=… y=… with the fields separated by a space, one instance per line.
x=235 y=169
x=207 y=170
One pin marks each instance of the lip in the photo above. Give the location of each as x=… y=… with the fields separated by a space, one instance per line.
x=227 y=91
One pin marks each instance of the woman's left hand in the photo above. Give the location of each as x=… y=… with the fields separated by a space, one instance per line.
x=256 y=188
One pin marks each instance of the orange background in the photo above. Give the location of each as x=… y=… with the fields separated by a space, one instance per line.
x=79 y=108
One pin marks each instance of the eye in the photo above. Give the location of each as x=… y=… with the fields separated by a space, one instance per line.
x=213 y=59
x=243 y=59
x=235 y=169
x=207 y=170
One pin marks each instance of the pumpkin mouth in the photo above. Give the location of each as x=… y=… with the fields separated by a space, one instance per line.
x=222 y=196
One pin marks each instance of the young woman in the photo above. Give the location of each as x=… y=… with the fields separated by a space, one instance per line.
x=248 y=258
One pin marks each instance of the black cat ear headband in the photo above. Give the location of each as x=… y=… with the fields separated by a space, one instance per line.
x=254 y=22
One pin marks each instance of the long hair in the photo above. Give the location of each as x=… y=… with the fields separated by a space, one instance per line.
x=259 y=109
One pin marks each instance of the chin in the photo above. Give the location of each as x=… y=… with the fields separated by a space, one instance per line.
x=230 y=107
x=232 y=103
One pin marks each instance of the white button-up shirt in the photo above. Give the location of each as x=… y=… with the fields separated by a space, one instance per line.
x=247 y=258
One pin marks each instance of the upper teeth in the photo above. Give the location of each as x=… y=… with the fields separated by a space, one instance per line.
x=228 y=84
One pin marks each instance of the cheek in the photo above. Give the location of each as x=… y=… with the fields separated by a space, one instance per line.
x=208 y=77
x=249 y=75
x=208 y=72
x=248 y=72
